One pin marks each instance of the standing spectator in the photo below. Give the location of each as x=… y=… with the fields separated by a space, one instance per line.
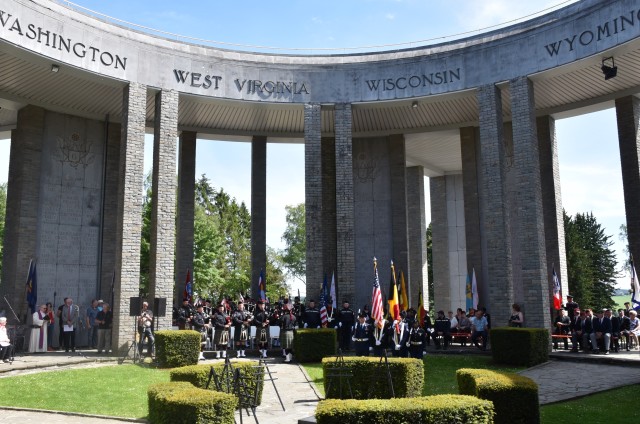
x=50 y=327
x=571 y=307
x=38 y=339
x=104 y=319
x=288 y=322
x=479 y=328
x=60 y=323
x=70 y=317
x=92 y=313
x=346 y=321
x=145 y=329
x=517 y=317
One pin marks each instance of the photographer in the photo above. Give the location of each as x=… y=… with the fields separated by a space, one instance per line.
x=145 y=329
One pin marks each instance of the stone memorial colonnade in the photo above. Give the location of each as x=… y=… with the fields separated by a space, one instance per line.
x=475 y=115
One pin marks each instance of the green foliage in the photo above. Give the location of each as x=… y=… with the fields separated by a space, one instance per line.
x=177 y=348
x=198 y=375
x=294 y=255
x=430 y=409
x=514 y=397
x=313 y=345
x=369 y=377
x=430 y=266
x=181 y=402
x=591 y=261
x=145 y=239
x=520 y=346
x=3 y=216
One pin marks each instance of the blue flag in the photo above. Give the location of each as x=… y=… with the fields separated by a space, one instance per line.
x=32 y=287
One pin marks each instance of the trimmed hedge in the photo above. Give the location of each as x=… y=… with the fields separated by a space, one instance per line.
x=177 y=348
x=430 y=409
x=313 y=345
x=514 y=397
x=520 y=346
x=198 y=375
x=182 y=402
x=369 y=377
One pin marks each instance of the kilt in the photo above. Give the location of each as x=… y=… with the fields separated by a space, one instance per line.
x=286 y=339
x=238 y=332
x=218 y=336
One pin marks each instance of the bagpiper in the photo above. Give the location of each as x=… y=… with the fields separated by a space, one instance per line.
x=199 y=324
x=240 y=320
x=221 y=324
x=261 y=322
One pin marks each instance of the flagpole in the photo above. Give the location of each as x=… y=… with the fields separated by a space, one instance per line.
x=24 y=294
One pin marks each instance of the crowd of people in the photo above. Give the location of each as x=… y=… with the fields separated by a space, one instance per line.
x=596 y=331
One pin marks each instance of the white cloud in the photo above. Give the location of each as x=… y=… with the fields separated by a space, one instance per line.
x=390 y=16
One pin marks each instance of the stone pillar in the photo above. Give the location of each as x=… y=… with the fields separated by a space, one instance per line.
x=186 y=214
x=398 y=182
x=552 y=204
x=345 y=232
x=530 y=225
x=440 y=242
x=23 y=198
x=470 y=150
x=329 y=222
x=110 y=211
x=493 y=206
x=628 y=119
x=163 y=210
x=417 y=227
x=258 y=211
x=129 y=227
x=313 y=197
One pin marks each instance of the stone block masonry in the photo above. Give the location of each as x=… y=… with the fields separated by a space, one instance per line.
x=440 y=238
x=313 y=197
x=258 y=212
x=417 y=229
x=186 y=212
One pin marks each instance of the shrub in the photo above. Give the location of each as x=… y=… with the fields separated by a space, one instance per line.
x=430 y=409
x=182 y=402
x=514 y=397
x=198 y=375
x=313 y=345
x=520 y=346
x=369 y=377
x=177 y=348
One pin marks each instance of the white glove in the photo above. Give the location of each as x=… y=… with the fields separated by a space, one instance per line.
x=339 y=324
x=397 y=347
x=408 y=344
x=353 y=338
x=352 y=327
x=378 y=342
x=305 y=325
x=318 y=327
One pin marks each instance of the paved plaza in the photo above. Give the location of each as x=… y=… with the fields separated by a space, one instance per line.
x=565 y=376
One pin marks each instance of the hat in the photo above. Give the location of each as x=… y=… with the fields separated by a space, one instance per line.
x=185 y=300
x=220 y=305
x=259 y=302
x=361 y=315
x=311 y=300
x=345 y=301
x=570 y=296
x=240 y=302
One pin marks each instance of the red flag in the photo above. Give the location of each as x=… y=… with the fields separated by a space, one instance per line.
x=394 y=306
x=376 y=297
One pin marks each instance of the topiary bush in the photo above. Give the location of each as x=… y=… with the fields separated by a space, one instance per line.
x=369 y=377
x=183 y=403
x=514 y=397
x=177 y=348
x=520 y=346
x=198 y=375
x=430 y=409
x=313 y=345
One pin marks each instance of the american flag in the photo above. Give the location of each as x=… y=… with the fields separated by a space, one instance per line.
x=376 y=297
x=323 y=303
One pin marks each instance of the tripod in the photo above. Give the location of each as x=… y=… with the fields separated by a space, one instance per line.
x=133 y=346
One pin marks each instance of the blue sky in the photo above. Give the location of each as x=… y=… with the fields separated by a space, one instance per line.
x=588 y=147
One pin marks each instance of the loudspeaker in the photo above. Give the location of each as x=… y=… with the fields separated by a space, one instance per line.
x=160 y=306
x=135 y=306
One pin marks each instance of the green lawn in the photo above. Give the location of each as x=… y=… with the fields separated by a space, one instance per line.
x=620 y=300
x=119 y=390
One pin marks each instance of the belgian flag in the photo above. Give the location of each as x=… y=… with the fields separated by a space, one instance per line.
x=393 y=302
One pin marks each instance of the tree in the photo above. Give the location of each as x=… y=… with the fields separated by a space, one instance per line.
x=145 y=239
x=624 y=237
x=430 y=267
x=294 y=255
x=591 y=262
x=3 y=216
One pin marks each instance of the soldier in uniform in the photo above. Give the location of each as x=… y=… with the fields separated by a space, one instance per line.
x=416 y=341
x=442 y=329
x=199 y=324
x=346 y=321
x=221 y=323
x=240 y=320
x=311 y=316
x=261 y=322
x=361 y=336
x=288 y=323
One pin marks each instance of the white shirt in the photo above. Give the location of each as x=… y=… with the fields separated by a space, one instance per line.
x=4 y=337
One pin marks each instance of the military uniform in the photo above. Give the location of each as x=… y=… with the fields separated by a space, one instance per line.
x=346 y=320
x=361 y=339
x=416 y=342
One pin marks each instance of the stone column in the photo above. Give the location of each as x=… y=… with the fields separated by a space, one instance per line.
x=163 y=209
x=417 y=226
x=470 y=150
x=530 y=225
x=398 y=180
x=345 y=246
x=493 y=206
x=23 y=199
x=440 y=242
x=313 y=197
x=129 y=227
x=258 y=212
x=628 y=118
x=552 y=204
x=186 y=214
x=329 y=222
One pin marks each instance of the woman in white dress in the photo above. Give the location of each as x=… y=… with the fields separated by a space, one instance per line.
x=38 y=339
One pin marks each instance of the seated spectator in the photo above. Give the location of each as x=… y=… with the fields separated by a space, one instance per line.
x=624 y=327
x=453 y=320
x=464 y=323
x=577 y=330
x=517 y=317
x=479 y=328
x=6 y=348
x=634 y=327
x=602 y=330
x=562 y=325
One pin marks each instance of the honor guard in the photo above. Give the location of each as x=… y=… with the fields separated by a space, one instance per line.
x=346 y=321
x=199 y=324
x=240 y=320
x=400 y=336
x=361 y=336
x=221 y=324
x=416 y=341
x=261 y=322
x=381 y=337
x=312 y=316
